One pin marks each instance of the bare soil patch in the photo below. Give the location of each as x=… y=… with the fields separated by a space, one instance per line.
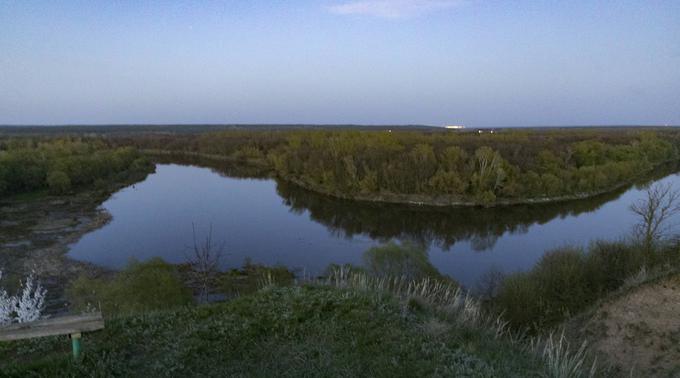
x=638 y=332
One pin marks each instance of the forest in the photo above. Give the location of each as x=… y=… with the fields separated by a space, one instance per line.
x=62 y=164
x=402 y=166
x=439 y=168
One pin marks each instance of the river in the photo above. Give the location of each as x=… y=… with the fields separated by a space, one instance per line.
x=271 y=222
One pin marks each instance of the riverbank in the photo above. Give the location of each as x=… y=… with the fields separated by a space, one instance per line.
x=456 y=201
x=37 y=229
x=258 y=168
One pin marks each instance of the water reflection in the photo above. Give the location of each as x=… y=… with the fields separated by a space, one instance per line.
x=407 y=260
x=273 y=222
x=423 y=225
x=224 y=168
x=426 y=226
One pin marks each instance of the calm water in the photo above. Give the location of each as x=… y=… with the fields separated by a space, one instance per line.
x=272 y=222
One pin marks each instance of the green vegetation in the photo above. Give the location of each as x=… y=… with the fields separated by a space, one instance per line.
x=462 y=169
x=300 y=331
x=437 y=167
x=58 y=165
x=568 y=280
x=251 y=277
x=151 y=285
x=397 y=317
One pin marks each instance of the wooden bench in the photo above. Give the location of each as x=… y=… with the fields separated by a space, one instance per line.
x=73 y=326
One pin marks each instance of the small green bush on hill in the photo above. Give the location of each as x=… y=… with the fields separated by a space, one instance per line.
x=141 y=286
x=567 y=280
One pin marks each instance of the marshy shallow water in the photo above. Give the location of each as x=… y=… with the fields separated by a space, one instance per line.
x=272 y=222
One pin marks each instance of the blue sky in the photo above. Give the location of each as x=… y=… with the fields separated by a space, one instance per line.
x=473 y=62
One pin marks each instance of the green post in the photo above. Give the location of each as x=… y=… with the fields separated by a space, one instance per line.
x=75 y=342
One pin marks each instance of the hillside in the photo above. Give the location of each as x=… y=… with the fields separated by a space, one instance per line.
x=301 y=331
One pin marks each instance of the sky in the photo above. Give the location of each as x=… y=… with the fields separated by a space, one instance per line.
x=473 y=62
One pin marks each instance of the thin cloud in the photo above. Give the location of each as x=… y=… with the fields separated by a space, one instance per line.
x=392 y=8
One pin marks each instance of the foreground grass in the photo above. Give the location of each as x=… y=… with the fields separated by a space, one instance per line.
x=299 y=331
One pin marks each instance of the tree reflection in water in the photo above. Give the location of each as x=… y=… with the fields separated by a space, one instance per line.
x=419 y=225
x=408 y=260
x=442 y=227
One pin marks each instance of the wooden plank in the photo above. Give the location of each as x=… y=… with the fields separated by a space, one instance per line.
x=65 y=325
x=55 y=321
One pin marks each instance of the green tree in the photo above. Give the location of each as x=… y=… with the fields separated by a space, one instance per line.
x=548 y=162
x=58 y=182
x=424 y=165
x=589 y=152
x=453 y=159
x=447 y=182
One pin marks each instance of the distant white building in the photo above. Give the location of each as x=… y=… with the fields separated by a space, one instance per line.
x=454 y=127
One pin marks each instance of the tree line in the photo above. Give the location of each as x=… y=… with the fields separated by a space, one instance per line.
x=58 y=165
x=444 y=167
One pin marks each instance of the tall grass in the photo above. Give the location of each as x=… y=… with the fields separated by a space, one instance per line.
x=561 y=360
x=458 y=307
x=442 y=296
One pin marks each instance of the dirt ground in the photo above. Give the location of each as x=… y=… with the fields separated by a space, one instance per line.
x=637 y=332
x=35 y=234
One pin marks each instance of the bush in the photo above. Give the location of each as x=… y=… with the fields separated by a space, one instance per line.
x=519 y=300
x=252 y=278
x=567 y=280
x=556 y=287
x=561 y=277
x=609 y=264
x=141 y=286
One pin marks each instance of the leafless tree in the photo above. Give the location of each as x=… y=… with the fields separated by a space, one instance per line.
x=654 y=211
x=204 y=261
x=489 y=283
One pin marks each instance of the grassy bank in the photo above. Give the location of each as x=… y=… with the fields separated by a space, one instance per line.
x=301 y=331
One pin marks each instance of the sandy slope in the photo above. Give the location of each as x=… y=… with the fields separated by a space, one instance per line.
x=637 y=332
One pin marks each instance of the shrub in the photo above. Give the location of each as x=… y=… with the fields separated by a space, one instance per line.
x=141 y=286
x=561 y=277
x=609 y=264
x=563 y=282
x=519 y=300
x=567 y=280
x=485 y=198
x=253 y=277
x=26 y=306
